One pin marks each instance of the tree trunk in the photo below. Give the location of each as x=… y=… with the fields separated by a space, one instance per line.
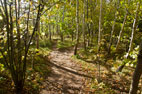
x=88 y=28
x=100 y=26
x=57 y=26
x=77 y=27
x=91 y=24
x=15 y=65
x=83 y=27
x=122 y=28
x=110 y=42
x=19 y=87
x=134 y=28
x=137 y=73
x=132 y=36
x=62 y=36
x=37 y=35
x=49 y=29
x=113 y=26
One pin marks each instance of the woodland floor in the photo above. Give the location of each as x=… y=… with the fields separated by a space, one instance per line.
x=70 y=77
x=66 y=77
x=71 y=74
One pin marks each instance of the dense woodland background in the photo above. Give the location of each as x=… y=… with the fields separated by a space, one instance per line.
x=101 y=38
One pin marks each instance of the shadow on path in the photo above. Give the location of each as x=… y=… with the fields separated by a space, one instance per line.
x=67 y=77
x=68 y=70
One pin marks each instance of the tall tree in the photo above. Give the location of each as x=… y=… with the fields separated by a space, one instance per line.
x=100 y=26
x=122 y=29
x=137 y=73
x=17 y=49
x=113 y=27
x=88 y=28
x=83 y=27
x=37 y=35
x=123 y=25
x=132 y=37
x=62 y=31
x=49 y=29
x=77 y=27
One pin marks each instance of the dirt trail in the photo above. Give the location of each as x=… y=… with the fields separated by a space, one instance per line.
x=66 y=76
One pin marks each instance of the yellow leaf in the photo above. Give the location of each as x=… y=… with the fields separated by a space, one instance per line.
x=0 y=17
x=57 y=6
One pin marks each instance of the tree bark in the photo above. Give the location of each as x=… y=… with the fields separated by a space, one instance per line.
x=88 y=28
x=137 y=73
x=83 y=27
x=113 y=26
x=100 y=26
x=110 y=42
x=134 y=28
x=49 y=29
x=37 y=35
x=62 y=35
x=122 y=28
x=77 y=27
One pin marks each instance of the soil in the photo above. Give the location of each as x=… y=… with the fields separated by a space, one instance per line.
x=66 y=77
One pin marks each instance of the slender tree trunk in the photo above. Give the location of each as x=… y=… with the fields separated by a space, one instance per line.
x=16 y=66
x=99 y=39
x=53 y=29
x=134 y=28
x=77 y=27
x=122 y=28
x=40 y=9
x=57 y=29
x=37 y=35
x=137 y=73
x=113 y=26
x=57 y=26
x=49 y=29
x=73 y=34
x=100 y=26
x=132 y=36
x=83 y=27
x=88 y=28
x=19 y=76
x=110 y=42
x=62 y=36
x=91 y=25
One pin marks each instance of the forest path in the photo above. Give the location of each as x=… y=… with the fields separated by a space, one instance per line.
x=66 y=77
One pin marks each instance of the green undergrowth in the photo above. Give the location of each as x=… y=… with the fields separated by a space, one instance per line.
x=37 y=71
x=65 y=44
x=93 y=85
x=109 y=82
x=46 y=43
